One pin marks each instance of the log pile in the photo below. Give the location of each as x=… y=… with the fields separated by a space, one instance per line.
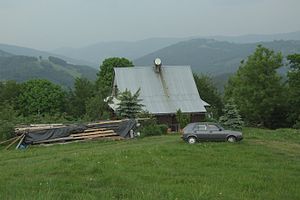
x=105 y=130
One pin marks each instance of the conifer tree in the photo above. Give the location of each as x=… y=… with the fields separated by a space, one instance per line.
x=231 y=118
x=129 y=106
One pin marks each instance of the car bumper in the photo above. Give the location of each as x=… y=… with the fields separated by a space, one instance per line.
x=184 y=138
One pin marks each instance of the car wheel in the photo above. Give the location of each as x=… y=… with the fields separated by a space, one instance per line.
x=231 y=139
x=192 y=140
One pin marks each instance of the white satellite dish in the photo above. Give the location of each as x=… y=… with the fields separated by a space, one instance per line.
x=157 y=62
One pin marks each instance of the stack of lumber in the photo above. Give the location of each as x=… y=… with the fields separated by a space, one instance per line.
x=100 y=130
x=34 y=127
x=88 y=134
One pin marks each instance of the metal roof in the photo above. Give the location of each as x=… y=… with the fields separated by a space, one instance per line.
x=165 y=92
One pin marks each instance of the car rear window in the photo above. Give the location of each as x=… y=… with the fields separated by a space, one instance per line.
x=200 y=127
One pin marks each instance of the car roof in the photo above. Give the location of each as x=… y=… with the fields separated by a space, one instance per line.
x=204 y=123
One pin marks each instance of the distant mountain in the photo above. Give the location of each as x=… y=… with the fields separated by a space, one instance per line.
x=4 y=53
x=98 y=52
x=254 y=38
x=211 y=56
x=24 y=51
x=22 y=68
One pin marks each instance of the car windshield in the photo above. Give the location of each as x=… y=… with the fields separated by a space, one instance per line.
x=189 y=127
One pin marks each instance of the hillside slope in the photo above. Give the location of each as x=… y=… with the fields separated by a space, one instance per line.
x=96 y=53
x=24 y=51
x=22 y=68
x=265 y=165
x=211 y=56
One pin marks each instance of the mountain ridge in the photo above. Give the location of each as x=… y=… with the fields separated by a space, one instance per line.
x=211 y=56
x=22 y=68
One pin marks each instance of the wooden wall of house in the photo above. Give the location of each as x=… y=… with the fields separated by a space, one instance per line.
x=170 y=120
x=197 y=117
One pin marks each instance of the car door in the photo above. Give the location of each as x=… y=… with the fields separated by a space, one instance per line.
x=201 y=131
x=215 y=133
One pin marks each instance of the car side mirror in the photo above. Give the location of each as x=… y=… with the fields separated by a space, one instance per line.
x=220 y=129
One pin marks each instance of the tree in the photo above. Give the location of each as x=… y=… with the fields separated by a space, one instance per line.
x=129 y=106
x=106 y=74
x=257 y=89
x=9 y=92
x=209 y=93
x=294 y=88
x=182 y=119
x=96 y=108
x=231 y=118
x=83 y=91
x=8 y=119
x=40 y=97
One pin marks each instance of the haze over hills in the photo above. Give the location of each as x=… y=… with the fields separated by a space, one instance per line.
x=18 y=50
x=22 y=68
x=96 y=53
x=212 y=56
x=254 y=38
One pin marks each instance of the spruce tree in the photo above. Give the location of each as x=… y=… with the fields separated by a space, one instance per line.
x=231 y=118
x=129 y=106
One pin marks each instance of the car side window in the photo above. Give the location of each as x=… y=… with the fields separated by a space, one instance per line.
x=213 y=127
x=200 y=127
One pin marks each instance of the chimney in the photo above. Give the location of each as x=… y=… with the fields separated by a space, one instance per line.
x=157 y=65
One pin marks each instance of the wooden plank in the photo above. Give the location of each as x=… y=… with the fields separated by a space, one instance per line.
x=41 y=125
x=18 y=138
x=36 y=128
x=107 y=122
x=95 y=136
x=20 y=142
x=3 y=142
x=95 y=129
x=54 y=140
x=91 y=133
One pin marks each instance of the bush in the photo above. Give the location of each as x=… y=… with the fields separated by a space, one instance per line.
x=8 y=121
x=154 y=130
x=6 y=129
x=297 y=124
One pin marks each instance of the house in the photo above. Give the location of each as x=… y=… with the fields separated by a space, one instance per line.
x=164 y=90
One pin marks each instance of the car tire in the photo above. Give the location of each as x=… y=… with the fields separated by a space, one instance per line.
x=191 y=140
x=231 y=139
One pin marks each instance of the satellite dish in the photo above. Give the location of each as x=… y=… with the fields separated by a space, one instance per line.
x=157 y=62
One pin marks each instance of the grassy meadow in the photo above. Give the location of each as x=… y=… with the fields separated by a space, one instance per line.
x=265 y=165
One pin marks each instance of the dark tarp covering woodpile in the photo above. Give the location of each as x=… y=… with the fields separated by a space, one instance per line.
x=59 y=133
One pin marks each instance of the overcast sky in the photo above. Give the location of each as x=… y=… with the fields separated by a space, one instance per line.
x=50 y=24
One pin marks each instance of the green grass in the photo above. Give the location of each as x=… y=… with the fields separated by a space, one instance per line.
x=265 y=165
